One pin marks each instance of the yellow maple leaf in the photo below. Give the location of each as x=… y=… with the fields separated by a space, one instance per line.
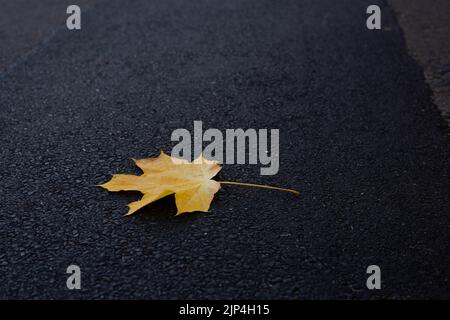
x=191 y=182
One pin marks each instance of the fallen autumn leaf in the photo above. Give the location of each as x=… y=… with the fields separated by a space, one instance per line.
x=191 y=182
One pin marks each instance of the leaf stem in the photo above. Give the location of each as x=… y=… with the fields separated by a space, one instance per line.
x=260 y=186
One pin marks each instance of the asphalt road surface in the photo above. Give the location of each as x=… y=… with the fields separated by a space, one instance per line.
x=359 y=138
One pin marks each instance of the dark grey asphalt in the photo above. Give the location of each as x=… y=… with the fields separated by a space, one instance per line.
x=26 y=23
x=359 y=138
x=426 y=28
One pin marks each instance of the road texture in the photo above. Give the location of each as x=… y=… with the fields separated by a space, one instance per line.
x=360 y=139
x=26 y=23
x=426 y=28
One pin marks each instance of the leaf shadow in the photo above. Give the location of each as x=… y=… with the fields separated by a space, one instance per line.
x=162 y=210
